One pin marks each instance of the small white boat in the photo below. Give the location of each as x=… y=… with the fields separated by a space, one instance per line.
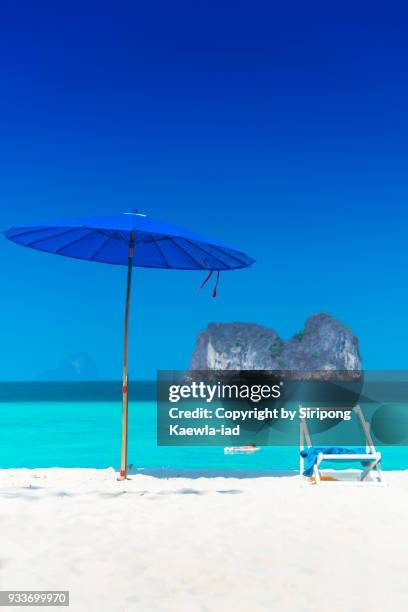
x=241 y=450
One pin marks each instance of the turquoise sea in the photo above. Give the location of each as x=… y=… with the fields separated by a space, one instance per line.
x=79 y=425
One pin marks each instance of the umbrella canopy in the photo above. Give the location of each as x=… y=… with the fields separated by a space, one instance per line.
x=107 y=239
x=134 y=240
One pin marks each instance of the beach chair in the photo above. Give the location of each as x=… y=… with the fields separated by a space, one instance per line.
x=368 y=456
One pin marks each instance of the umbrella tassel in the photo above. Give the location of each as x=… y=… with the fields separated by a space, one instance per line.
x=207 y=278
x=216 y=285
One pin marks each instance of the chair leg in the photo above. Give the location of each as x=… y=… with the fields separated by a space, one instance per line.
x=316 y=470
x=371 y=466
x=379 y=471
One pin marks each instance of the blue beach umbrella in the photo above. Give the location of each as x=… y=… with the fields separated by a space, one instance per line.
x=133 y=240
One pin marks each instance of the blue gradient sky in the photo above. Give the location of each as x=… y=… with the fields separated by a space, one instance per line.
x=283 y=134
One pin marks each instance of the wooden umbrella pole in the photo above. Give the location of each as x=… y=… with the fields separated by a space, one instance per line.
x=123 y=456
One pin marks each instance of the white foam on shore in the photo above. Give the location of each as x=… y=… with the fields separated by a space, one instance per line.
x=206 y=544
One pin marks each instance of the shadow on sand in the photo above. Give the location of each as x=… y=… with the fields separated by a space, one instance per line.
x=171 y=473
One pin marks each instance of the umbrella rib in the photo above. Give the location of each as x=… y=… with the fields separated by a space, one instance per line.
x=99 y=249
x=117 y=235
x=161 y=253
x=28 y=230
x=187 y=253
x=105 y=232
x=67 y=231
x=227 y=254
x=207 y=252
x=122 y=237
x=160 y=238
x=73 y=241
x=32 y=230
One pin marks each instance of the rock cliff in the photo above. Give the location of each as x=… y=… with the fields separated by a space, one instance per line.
x=323 y=344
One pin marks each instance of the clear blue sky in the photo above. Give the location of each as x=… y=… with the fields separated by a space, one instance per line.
x=280 y=131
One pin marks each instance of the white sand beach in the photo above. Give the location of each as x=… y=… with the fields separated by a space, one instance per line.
x=205 y=544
